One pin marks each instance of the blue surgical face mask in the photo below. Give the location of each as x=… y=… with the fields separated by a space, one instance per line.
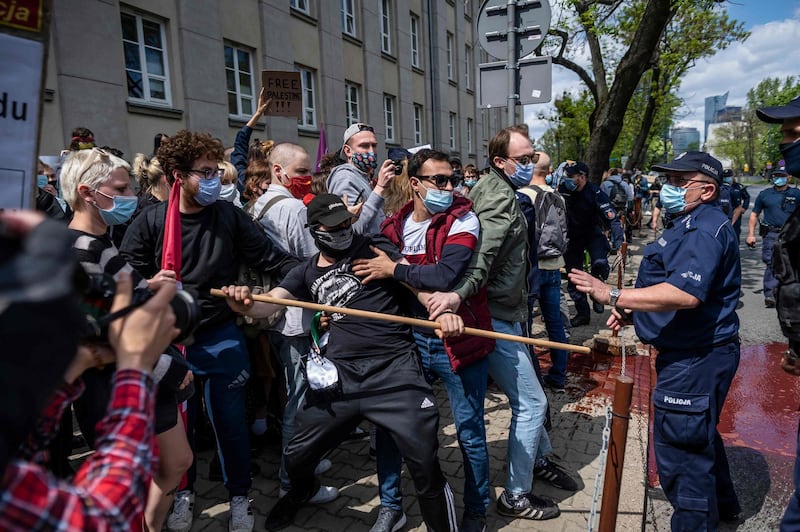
x=780 y=181
x=522 y=175
x=791 y=155
x=470 y=182
x=674 y=198
x=548 y=179
x=121 y=211
x=570 y=184
x=41 y=181
x=436 y=200
x=727 y=180
x=209 y=191
x=228 y=192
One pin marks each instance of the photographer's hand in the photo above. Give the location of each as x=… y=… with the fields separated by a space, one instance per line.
x=140 y=337
x=88 y=356
x=385 y=176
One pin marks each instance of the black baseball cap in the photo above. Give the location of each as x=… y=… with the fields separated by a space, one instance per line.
x=693 y=161
x=778 y=113
x=328 y=210
x=779 y=172
x=576 y=167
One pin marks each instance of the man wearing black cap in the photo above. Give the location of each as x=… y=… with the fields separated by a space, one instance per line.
x=789 y=117
x=589 y=211
x=777 y=204
x=379 y=374
x=684 y=304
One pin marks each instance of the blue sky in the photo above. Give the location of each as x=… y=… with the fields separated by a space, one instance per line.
x=773 y=49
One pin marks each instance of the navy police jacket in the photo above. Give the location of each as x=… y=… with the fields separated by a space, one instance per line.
x=696 y=253
x=588 y=211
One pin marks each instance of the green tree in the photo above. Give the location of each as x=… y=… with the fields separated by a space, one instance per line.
x=765 y=137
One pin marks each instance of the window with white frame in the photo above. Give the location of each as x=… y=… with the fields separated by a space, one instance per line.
x=348 y=8
x=388 y=116
x=144 y=44
x=470 y=125
x=352 y=97
x=239 y=81
x=452 y=131
x=386 y=26
x=301 y=5
x=468 y=62
x=449 y=47
x=415 y=29
x=309 y=86
x=417 y=124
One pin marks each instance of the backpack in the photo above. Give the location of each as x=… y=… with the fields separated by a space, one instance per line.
x=259 y=282
x=785 y=267
x=550 y=212
x=618 y=195
x=725 y=199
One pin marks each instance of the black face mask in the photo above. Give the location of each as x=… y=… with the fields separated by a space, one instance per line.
x=335 y=243
x=791 y=154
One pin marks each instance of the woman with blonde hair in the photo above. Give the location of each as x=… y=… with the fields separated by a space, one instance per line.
x=97 y=185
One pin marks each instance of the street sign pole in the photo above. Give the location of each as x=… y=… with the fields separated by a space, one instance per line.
x=511 y=65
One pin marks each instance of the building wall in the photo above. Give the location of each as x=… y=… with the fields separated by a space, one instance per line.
x=86 y=78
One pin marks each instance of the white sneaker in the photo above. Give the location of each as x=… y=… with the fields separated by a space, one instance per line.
x=324 y=494
x=322 y=467
x=241 y=519
x=182 y=515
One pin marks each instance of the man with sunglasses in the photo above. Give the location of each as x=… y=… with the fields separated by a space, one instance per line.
x=589 y=212
x=684 y=304
x=354 y=180
x=437 y=232
x=501 y=263
x=216 y=238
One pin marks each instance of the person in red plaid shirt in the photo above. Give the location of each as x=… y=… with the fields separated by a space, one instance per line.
x=109 y=490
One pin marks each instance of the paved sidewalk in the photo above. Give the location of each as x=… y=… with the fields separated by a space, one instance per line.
x=578 y=418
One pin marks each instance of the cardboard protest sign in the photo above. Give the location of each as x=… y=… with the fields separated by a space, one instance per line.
x=285 y=90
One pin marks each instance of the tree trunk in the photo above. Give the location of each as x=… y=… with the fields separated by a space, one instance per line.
x=611 y=113
x=639 y=150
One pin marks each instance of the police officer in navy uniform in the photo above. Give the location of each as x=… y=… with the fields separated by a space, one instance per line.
x=777 y=203
x=589 y=211
x=730 y=199
x=684 y=304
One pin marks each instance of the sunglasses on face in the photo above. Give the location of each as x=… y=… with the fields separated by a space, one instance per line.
x=441 y=180
x=525 y=160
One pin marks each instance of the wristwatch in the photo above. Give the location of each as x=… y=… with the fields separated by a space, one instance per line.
x=613 y=296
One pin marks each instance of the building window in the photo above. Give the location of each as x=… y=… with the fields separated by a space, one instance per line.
x=415 y=27
x=388 y=116
x=469 y=135
x=468 y=66
x=452 y=131
x=349 y=17
x=352 y=95
x=386 y=26
x=146 y=67
x=301 y=5
x=308 y=85
x=239 y=80
x=417 y=124
x=450 y=70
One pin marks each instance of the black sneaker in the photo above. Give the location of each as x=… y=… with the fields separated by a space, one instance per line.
x=284 y=511
x=472 y=523
x=769 y=302
x=558 y=388
x=555 y=475
x=389 y=520
x=579 y=320
x=527 y=506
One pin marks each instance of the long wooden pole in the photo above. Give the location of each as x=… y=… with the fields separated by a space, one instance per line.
x=615 y=461
x=410 y=321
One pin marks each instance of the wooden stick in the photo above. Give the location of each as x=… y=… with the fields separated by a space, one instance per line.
x=410 y=321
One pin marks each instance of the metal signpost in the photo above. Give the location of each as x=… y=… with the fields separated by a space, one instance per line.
x=513 y=29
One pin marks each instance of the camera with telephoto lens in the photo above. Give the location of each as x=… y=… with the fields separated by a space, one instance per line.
x=398 y=166
x=97 y=292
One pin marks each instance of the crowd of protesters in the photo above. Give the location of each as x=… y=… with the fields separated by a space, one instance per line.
x=414 y=234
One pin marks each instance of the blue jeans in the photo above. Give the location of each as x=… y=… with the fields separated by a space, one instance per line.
x=466 y=391
x=598 y=248
x=770 y=282
x=511 y=368
x=550 y=303
x=219 y=353
x=290 y=349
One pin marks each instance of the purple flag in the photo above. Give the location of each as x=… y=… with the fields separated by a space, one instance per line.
x=322 y=147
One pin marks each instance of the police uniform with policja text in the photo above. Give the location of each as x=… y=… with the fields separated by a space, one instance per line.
x=698 y=354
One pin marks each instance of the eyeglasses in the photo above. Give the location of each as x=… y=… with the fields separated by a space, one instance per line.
x=441 y=180
x=678 y=181
x=208 y=174
x=94 y=155
x=365 y=127
x=525 y=160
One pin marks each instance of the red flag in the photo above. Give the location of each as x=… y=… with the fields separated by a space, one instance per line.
x=171 y=248
x=322 y=148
